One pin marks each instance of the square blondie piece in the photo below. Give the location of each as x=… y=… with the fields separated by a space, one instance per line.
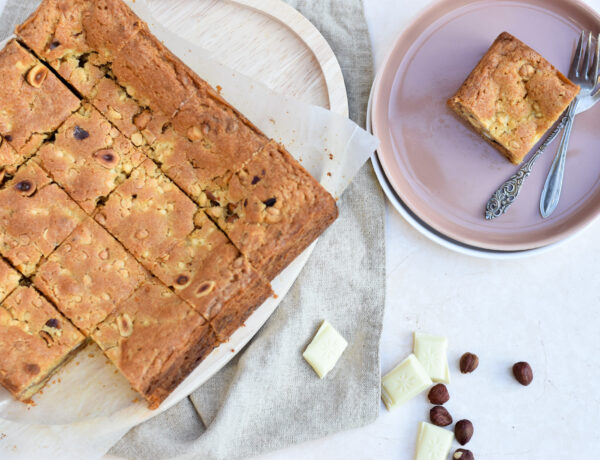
x=148 y=214
x=9 y=279
x=34 y=102
x=89 y=157
x=35 y=217
x=35 y=341
x=79 y=38
x=512 y=97
x=272 y=209
x=88 y=275
x=207 y=143
x=155 y=339
x=213 y=276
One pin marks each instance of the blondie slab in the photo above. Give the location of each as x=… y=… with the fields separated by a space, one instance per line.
x=155 y=339
x=213 y=276
x=9 y=279
x=272 y=209
x=35 y=217
x=35 y=341
x=33 y=101
x=88 y=275
x=89 y=157
x=148 y=214
x=207 y=142
x=79 y=38
x=512 y=97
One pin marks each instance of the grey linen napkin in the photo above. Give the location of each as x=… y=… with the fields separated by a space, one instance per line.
x=268 y=397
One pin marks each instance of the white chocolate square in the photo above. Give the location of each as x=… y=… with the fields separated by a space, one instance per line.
x=404 y=382
x=325 y=349
x=431 y=350
x=433 y=442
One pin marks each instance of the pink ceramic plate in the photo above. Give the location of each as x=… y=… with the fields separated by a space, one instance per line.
x=441 y=169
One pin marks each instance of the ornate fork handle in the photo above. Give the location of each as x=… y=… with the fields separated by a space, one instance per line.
x=508 y=192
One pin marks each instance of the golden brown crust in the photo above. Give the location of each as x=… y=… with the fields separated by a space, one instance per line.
x=88 y=275
x=31 y=108
x=89 y=157
x=272 y=209
x=513 y=96
x=207 y=142
x=35 y=217
x=10 y=159
x=210 y=273
x=148 y=214
x=9 y=279
x=155 y=339
x=35 y=340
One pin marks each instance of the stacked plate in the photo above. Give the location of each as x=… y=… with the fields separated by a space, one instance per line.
x=436 y=171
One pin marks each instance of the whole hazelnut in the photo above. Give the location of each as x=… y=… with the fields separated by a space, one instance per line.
x=468 y=363
x=440 y=416
x=463 y=454
x=438 y=394
x=463 y=431
x=523 y=373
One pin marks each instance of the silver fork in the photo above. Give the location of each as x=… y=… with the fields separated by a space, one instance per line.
x=584 y=72
x=508 y=192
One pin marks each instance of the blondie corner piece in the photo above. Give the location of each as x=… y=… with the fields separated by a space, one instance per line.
x=272 y=209
x=88 y=275
x=34 y=101
x=155 y=339
x=512 y=97
x=35 y=341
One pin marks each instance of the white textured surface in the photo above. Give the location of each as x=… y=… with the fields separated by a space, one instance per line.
x=543 y=309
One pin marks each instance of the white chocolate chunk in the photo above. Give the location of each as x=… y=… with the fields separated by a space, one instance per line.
x=433 y=442
x=325 y=349
x=431 y=350
x=404 y=382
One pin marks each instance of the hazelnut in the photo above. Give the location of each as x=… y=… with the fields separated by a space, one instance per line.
x=125 y=325
x=137 y=139
x=25 y=187
x=103 y=254
x=54 y=323
x=523 y=373
x=142 y=119
x=438 y=394
x=468 y=363
x=36 y=75
x=182 y=280
x=205 y=288
x=107 y=158
x=440 y=416
x=463 y=454
x=270 y=202
x=194 y=134
x=47 y=338
x=80 y=133
x=114 y=114
x=463 y=431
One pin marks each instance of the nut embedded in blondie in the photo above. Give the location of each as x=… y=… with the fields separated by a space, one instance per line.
x=513 y=96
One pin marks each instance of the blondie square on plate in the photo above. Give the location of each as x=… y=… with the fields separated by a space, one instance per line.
x=513 y=96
